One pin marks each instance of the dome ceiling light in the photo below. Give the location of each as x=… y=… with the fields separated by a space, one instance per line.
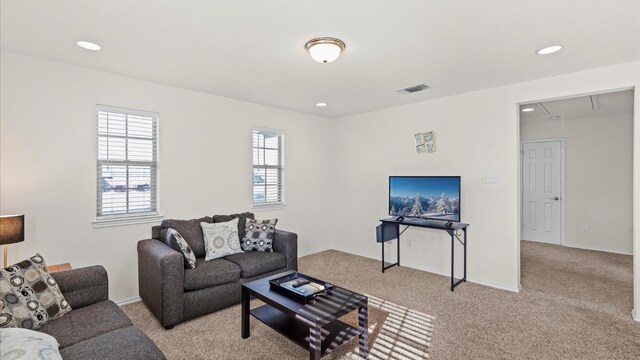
x=325 y=49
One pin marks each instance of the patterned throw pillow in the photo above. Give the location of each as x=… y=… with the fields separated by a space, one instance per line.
x=24 y=344
x=29 y=296
x=259 y=235
x=173 y=238
x=221 y=239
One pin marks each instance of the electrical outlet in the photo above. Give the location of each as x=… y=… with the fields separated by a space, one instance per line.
x=409 y=243
x=585 y=230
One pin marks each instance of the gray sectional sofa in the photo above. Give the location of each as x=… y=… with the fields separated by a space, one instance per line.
x=175 y=294
x=96 y=328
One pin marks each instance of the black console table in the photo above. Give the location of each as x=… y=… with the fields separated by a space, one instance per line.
x=389 y=229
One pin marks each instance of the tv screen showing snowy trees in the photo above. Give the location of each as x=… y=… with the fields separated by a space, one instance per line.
x=429 y=197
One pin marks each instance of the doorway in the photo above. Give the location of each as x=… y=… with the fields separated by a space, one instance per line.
x=576 y=196
x=577 y=171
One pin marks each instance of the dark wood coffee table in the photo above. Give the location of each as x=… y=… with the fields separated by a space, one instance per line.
x=314 y=326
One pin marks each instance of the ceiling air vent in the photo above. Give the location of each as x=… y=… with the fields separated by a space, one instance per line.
x=413 y=89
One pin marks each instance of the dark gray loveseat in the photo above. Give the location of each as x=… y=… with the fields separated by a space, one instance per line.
x=175 y=294
x=96 y=328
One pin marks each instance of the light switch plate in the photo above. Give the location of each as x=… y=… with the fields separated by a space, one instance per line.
x=490 y=178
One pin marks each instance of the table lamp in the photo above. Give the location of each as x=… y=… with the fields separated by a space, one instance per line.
x=11 y=231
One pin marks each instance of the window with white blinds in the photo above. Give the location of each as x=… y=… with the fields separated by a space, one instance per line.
x=127 y=163
x=268 y=167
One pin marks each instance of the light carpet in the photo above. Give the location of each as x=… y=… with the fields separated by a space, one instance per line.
x=574 y=304
x=395 y=332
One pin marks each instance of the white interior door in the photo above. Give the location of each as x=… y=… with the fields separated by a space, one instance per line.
x=542 y=191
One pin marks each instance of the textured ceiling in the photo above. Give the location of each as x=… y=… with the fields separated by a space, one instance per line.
x=253 y=50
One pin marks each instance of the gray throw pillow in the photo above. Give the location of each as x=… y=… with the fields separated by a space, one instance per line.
x=173 y=238
x=29 y=296
x=221 y=239
x=259 y=235
x=190 y=231
x=242 y=218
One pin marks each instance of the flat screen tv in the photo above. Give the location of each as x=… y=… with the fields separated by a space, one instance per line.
x=429 y=197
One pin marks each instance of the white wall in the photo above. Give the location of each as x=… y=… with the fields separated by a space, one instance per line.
x=48 y=150
x=598 y=179
x=48 y=173
x=476 y=134
x=375 y=145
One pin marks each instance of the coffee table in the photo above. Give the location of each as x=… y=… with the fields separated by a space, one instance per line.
x=314 y=326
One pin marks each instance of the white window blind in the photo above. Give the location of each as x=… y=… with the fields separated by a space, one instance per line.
x=127 y=163
x=268 y=167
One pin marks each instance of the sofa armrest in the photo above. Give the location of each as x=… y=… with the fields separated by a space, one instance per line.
x=83 y=286
x=161 y=280
x=286 y=243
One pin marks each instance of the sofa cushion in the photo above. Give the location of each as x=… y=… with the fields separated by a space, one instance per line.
x=125 y=343
x=254 y=263
x=29 y=296
x=241 y=220
x=190 y=231
x=210 y=273
x=86 y=322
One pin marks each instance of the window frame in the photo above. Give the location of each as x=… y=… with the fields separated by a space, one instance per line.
x=281 y=167
x=129 y=217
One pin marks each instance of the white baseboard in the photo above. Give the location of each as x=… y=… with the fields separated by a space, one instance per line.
x=596 y=249
x=314 y=252
x=443 y=273
x=635 y=314
x=433 y=271
x=128 y=301
x=499 y=287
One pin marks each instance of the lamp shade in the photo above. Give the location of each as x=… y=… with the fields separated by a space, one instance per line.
x=11 y=229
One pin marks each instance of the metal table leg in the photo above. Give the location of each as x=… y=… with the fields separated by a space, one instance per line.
x=382 y=243
x=452 y=259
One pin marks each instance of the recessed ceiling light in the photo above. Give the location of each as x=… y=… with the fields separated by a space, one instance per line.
x=89 y=45
x=549 y=50
x=527 y=109
x=321 y=104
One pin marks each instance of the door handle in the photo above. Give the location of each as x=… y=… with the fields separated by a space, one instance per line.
x=556 y=198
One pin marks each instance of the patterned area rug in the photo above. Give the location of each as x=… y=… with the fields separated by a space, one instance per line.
x=395 y=332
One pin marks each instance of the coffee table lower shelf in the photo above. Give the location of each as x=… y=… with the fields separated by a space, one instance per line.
x=334 y=334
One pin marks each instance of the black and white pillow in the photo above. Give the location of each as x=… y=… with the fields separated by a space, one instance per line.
x=173 y=238
x=259 y=235
x=29 y=296
x=221 y=239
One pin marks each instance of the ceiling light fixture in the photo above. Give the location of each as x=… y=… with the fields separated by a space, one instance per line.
x=325 y=49
x=549 y=50
x=321 y=104
x=89 y=45
x=527 y=109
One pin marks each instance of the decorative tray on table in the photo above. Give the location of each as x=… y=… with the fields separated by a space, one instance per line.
x=300 y=286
